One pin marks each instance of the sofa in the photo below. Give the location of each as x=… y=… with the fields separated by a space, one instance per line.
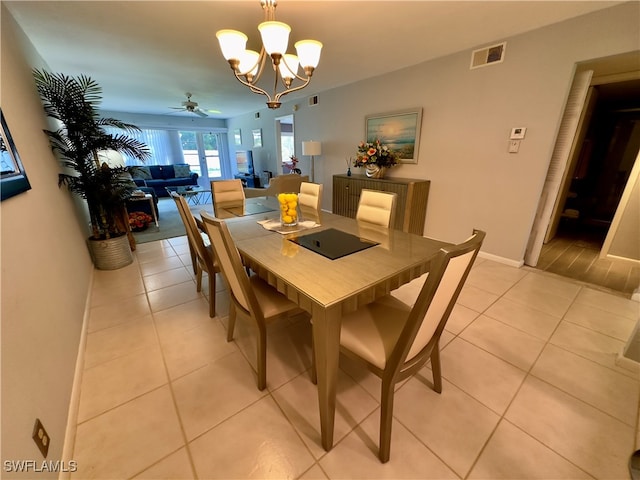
x=158 y=177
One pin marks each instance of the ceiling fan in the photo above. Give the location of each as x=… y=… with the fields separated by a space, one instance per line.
x=189 y=106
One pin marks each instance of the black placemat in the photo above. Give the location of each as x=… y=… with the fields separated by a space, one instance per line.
x=332 y=243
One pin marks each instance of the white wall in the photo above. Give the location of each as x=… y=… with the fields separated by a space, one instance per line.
x=467 y=118
x=46 y=271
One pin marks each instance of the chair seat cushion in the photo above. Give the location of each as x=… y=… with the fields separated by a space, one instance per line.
x=371 y=332
x=272 y=302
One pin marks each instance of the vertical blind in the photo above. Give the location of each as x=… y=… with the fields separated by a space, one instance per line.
x=160 y=143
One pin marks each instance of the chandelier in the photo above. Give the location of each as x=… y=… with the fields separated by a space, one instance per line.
x=249 y=65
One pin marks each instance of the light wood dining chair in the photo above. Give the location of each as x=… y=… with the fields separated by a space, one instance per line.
x=310 y=201
x=376 y=207
x=227 y=194
x=202 y=256
x=251 y=297
x=394 y=340
x=310 y=195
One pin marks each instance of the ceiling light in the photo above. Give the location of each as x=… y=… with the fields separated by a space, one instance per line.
x=248 y=65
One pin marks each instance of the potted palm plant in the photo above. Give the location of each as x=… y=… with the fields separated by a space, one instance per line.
x=77 y=142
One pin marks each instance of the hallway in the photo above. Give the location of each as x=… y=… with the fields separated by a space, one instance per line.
x=575 y=255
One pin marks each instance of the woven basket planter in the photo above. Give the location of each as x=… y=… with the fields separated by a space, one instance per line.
x=111 y=254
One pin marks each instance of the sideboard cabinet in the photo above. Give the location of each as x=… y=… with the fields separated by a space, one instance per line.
x=411 y=206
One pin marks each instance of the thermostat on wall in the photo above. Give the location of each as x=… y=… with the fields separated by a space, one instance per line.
x=517 y=133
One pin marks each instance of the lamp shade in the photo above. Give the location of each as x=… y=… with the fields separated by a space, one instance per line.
x=112 y=158
x=308 y=52
x=249 y=62
x=311 y=148
x=289 y=66
x=275 y=36
x=232 y=43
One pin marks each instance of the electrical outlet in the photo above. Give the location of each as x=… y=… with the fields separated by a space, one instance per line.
x=514 y=146
x=41 y=437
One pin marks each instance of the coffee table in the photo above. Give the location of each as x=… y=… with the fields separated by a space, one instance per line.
x=194 y=195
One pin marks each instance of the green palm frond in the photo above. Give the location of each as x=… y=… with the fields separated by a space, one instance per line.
x=74 y=103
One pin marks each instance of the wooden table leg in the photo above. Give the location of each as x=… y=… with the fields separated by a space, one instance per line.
x=326 y=342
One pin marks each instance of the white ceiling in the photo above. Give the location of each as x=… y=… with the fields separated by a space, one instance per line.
x=147 y=54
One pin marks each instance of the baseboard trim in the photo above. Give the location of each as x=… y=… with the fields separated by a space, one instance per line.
x=74 y=402
x=503 y=260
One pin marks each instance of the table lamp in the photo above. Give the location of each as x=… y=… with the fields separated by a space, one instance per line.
x=311 y=148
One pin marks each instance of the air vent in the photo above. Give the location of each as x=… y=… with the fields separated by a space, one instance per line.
x=488 y=55
x=313 y=100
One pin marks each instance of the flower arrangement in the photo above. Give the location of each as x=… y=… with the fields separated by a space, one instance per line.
x=294 y=161
x=374 y=153
x=139 y=220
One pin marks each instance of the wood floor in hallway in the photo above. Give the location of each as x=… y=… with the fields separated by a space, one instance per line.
x=576 y=255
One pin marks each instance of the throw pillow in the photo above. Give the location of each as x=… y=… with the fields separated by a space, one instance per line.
x=141 y=172
x=128 y=180
x=182 y=171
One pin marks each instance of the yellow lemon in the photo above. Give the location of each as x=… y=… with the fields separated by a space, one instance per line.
x=292 y=204
x=282 y=198
x=291 y=213
x=287 y=219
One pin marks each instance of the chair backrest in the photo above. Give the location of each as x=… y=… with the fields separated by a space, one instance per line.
x=310 y=195
x=377 y=207
x=448 y=272
x=193 y=232
x=231 y=266
x=226 y=194
x=285 y=183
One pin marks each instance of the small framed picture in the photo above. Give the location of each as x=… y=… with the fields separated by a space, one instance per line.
x=237 y=136
x=257 y=137
x=13 y=179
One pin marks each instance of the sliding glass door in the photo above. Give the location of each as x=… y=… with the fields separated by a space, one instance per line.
x=200 y=151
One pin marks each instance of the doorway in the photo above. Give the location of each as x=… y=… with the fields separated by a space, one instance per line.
x=285 y=141
x=200 y=152
x=605 y=158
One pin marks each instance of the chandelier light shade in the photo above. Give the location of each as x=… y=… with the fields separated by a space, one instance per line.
x=249 y=65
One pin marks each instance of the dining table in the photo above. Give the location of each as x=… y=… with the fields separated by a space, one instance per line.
x=324 y=287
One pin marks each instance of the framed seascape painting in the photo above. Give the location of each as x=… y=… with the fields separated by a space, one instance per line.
x=400 y=131
x=13 y=179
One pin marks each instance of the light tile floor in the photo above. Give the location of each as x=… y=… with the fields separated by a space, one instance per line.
x=532 y=386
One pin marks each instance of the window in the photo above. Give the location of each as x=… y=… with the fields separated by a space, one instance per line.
x=199 y=149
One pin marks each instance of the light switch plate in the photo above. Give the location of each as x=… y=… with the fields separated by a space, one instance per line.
x=514 y=146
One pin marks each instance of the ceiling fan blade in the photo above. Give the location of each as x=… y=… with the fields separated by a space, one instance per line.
x=177 y=108
x=200 y=113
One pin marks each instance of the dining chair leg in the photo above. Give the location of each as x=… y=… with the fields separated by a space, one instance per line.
x=194 y=259
x=262 y=359
x=386 y=418
x=232 y=321
x=198 y=277
x=212 y=294
x=435 y=368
